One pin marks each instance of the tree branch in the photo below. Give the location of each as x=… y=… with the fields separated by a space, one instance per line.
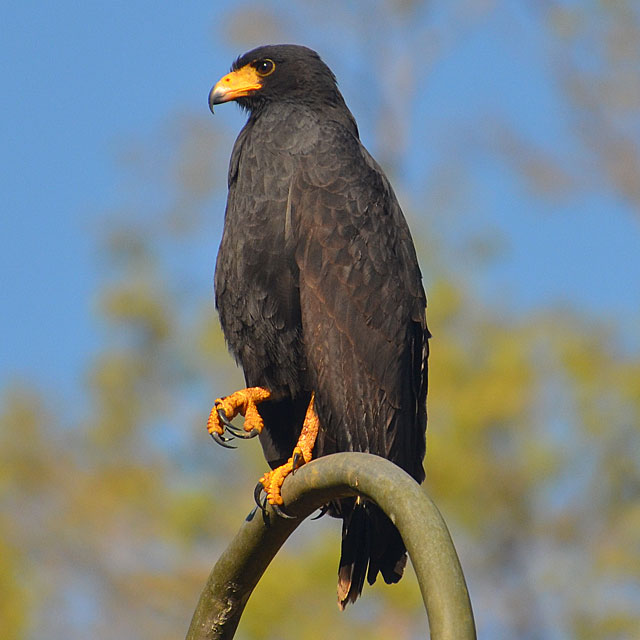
x=423 y=530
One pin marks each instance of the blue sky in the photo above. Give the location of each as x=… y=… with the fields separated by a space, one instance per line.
x=80 y=77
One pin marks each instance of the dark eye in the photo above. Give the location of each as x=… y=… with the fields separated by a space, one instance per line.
x=265 y=67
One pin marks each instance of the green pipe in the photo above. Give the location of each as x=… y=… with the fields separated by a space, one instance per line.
x=423 y=530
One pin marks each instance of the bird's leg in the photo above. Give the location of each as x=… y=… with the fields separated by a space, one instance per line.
x=272 y=481
x=245 y=403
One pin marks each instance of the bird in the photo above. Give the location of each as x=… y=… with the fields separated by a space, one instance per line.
x=320 y=297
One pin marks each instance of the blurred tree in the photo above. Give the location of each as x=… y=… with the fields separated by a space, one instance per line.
x=596 y=50
x=111 y=521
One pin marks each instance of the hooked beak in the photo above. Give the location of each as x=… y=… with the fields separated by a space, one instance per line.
x=234 y=85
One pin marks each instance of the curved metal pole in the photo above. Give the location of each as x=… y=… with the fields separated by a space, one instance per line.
x=423 y=530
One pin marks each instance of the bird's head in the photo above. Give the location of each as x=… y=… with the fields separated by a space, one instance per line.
x=277 y=73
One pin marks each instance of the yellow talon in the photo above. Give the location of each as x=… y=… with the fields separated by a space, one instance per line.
x=272 y=481
x=244 y=402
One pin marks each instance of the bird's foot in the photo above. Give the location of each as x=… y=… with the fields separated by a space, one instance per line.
x=245 y=403
x=260 y=497
x=272 y=481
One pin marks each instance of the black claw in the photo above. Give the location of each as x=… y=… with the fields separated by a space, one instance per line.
x=294 y=462
x=231 y=428
x=252 y=513
x=222 y=441
x=257 y=494
x=282 y=513
x=241 y=433
x=235 y=431
x=223 y=418
x=323 y=509
x=261 y=500
x=265 y=513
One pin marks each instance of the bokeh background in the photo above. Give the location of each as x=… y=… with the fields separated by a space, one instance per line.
x=511 y=131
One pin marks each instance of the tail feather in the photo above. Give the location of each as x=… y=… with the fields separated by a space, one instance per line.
x=389 y=557
x=371 y=544
x=354 y=556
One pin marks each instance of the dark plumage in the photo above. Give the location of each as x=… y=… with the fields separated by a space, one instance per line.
x=319 y=290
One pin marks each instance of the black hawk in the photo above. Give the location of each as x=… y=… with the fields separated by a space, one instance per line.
x=320 y=296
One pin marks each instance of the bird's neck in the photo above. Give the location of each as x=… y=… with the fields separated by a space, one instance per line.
x=283 y=111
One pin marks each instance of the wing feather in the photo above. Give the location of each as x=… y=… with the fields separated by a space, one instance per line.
x=362 y=304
